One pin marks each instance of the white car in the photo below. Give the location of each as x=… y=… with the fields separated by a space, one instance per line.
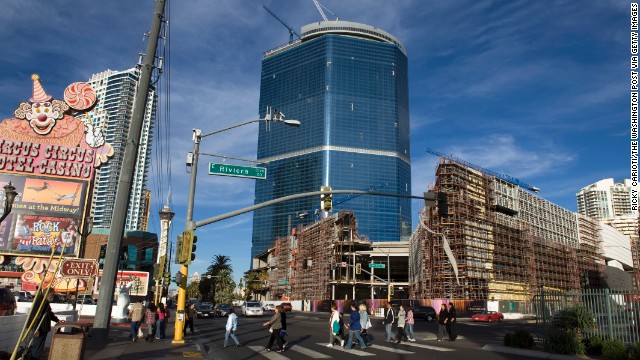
x=252 y=308
x=269 y=307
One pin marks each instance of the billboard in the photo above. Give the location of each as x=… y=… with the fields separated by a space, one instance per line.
x=139 y=281
x=46 y=214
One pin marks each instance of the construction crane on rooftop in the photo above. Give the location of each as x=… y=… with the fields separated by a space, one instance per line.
x=507 y=178
x=320 y=7
x=291 y=31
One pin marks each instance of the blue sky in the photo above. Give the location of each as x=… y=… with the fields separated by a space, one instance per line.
x=534 y=89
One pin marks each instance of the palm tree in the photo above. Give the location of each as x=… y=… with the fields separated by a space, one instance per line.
x=220 y=266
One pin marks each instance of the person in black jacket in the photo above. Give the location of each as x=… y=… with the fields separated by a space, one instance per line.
x=389 y=318
x=451 y=322
x=443 y=315
x=41 y=324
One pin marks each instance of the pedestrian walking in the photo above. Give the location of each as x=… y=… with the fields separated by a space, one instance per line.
x=354 y=328
x=231 y=327
x=451 y=323
x=190 y=317
x=167 y=316
x=409 y=326
x=335 y=327
x=41 y=324
x=443 y=319
x=365 y=323
x=389 y=319
x=150 y=319
x=283 y=320
x=136 y=313
x=402 y=319
x=160 y=326
x=276 y=324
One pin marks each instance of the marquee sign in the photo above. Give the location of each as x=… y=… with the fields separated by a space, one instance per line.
x=50 y=150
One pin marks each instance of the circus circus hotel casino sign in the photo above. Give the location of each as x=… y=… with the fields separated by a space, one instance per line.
x=49 y=150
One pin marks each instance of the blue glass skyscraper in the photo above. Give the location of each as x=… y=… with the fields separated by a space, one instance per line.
x=348 y=85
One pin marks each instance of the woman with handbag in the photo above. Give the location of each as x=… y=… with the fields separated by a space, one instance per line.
x=150 y=319
x=334 y=327
x=276 y=324
x=365 y=323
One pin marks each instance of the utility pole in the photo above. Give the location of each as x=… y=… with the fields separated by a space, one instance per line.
x=121 y=206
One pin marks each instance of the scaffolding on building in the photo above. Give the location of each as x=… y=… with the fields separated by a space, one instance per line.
x=497 y=255
x=316 y=258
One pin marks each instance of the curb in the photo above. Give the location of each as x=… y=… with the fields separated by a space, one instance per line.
x=529 y=353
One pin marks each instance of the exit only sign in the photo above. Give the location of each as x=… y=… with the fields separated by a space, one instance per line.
x=259 y=173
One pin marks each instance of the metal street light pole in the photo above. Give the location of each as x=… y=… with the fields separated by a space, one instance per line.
x=178 y=337
x=9 y=196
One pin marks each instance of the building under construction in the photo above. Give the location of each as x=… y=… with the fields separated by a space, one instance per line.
x=506 y=242
x=317 y=262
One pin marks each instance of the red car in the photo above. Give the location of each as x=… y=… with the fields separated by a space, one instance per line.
x=488 y=316
x=286 y=306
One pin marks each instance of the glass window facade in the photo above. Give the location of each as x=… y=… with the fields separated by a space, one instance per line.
x=351 y=96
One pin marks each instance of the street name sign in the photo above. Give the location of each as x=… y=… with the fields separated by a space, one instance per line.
x=252 y=172
x=377 y=266
x=283 y=281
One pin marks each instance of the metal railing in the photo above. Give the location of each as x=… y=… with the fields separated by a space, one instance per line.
x=616 y=312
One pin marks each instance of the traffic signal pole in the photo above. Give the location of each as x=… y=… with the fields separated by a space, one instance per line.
x=178 y=334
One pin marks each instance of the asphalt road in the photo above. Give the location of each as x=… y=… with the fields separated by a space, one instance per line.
x=308 y=336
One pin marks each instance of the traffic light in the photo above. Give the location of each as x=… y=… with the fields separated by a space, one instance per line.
x=178 y=278
x=166 y=281
x=390 y=290
x=103 y=251
x=326 y=200
x=188 y=247
x=358 y=268
x=158 y=269
x=179 y=250
x=443 y=208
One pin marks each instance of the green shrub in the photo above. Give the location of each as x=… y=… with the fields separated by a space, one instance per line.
x=565 y=343
x=634 y=351
x=508 y=339
x=614 y=350
x=593 y=345
x=522 y=339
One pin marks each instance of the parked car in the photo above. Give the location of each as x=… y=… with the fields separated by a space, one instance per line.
x=252 y=308
x=269 y=307
x=221 y=309
x=86 y=300
x=488 y=316
x=424 y=312
x=8 y=303
x=23 y=296
x=203 y=311
x=286 y=306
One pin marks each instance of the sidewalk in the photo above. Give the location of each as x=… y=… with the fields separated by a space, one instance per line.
x=119 y=345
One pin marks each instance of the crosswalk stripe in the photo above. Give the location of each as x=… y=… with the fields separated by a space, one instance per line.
x=352 y=351
x=271 y=355
x=390 y=349
x=310 y=353
x=437 y=348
